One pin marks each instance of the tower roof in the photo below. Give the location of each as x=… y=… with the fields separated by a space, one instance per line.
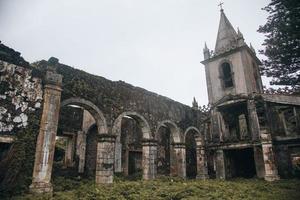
x=226 y=34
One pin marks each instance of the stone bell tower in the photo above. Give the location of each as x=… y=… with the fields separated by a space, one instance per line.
x=237 y=120
x=232 y=68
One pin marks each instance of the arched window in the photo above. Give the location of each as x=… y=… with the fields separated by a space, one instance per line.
x=226 y=75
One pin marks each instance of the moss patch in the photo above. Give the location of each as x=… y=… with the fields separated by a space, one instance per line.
x=16 y=170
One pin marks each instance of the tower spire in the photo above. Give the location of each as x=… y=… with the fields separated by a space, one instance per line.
x=226 y=34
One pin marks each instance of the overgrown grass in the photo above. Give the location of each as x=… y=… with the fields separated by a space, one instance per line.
x=172 y=189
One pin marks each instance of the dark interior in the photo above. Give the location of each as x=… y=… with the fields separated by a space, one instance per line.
x=240 y=163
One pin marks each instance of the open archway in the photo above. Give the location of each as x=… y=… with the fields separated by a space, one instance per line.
x=131 y=128
x=167 y=134
x=190 y=136
x=92 y=109
x=76 y=118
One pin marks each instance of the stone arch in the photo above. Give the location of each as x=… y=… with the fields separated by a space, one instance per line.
x=92 y=108
x=175 y=131
x=171 y=152
x=192 y=139
x=116 y=130
x=199 y=137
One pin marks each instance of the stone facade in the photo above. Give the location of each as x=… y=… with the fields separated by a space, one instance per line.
x=94 y=125
x=113 y=127
x=246 y=125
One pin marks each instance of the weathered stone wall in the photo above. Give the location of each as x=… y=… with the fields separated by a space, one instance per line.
x=21 y=97
x=114 y=98
x=20 y=94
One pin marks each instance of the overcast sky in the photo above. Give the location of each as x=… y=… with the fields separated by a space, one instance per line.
x=153 y=44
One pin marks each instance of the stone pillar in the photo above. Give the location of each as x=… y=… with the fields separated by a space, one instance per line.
x=259 y=161
x=69 y=153
x=243 y=127
x=126 y=162
x=220 y=164
x=87 y=121
x=80 y=150
x=253 y=120
x=283 y=122
x=271 y=173
x=118 y=155
x=149 y=159
x=105 y=158
x=45 y=145
x=215 y=126
x=179 y=149
x=202 y=172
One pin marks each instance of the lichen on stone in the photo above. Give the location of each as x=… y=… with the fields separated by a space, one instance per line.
x=20 y=94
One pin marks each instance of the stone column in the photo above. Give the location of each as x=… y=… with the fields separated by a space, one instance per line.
x=87 y=121
x=69 y=153
x=202 y=172
x=105 y=158
x=243 y=127
x=220 y=164
x=253 y=120
x=45 y=145
x=259 y=161
x=215 y=126
x=271 y=173
x=149 y=159
x=179 y=149
x=126 y=162
x=80 y=150
x=118 y=155
x=283 y=122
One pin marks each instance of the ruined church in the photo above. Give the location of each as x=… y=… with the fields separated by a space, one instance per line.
x=97 y=128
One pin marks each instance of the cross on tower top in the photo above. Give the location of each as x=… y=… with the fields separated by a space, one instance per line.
x=221 y=5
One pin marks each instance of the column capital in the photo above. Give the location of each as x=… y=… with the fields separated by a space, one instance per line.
x=53 y=78
x=149 y=142
x=105 y=137
x=178 y=145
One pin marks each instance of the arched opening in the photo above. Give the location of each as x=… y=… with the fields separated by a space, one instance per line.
x=131 y=128
x=78 y=119
x=226 y=75
x=167 y=133
x=191 y=152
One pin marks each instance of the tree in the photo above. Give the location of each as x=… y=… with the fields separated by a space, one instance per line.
x=282 y=43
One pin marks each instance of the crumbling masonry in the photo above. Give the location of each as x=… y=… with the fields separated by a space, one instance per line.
x=108 y=128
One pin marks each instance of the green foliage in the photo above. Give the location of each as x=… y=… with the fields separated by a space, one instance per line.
x=175 y=189
x=282 y=42
x=16 y=170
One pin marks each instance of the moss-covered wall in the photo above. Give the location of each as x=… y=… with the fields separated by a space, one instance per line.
x=20 y=95
x=21 y=98
x=116 y=97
